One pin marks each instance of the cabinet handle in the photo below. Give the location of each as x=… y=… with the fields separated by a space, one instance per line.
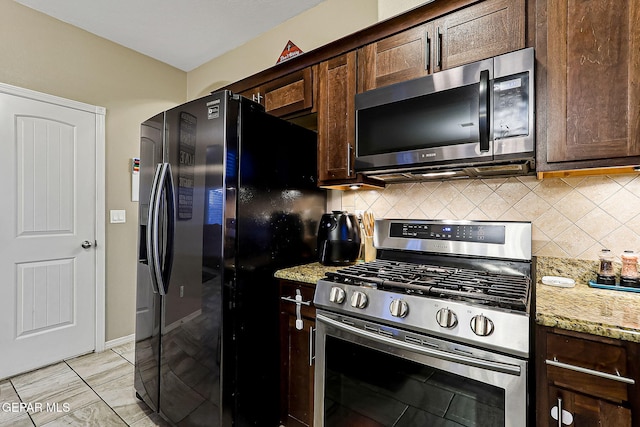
x=427 y=53
x=559 y=412
x=587 y=371
x=295 y=301
x=312 y=356
x=349 y=149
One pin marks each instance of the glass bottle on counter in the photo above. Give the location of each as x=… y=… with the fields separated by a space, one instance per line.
x=606 y=275
x=629 y=271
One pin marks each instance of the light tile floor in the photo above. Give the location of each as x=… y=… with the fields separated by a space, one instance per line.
x=91 y=390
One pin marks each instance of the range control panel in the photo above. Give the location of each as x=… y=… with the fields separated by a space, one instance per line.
x=481 y=233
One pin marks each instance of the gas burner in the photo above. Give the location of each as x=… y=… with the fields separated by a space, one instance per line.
x=473 y=286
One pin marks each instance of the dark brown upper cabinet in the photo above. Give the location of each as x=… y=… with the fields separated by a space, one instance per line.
x=588 y=83
x=479 y=31
x=289 y=95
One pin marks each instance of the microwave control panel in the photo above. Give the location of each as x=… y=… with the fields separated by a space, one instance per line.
x=511 y=106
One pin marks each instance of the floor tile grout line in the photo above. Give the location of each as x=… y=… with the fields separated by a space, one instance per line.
x=96 y=393
x=21 y=401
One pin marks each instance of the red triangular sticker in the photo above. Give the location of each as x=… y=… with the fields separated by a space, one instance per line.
x=290 y=50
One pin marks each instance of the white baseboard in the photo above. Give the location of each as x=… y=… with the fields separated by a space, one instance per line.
x=119 y=341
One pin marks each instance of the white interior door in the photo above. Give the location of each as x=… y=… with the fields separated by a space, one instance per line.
x=48 y=231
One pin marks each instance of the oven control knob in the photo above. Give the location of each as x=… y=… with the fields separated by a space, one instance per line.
x=358 y=300
x=336 y=295
x=481 y=325
x=399 y=308
x=446 y=318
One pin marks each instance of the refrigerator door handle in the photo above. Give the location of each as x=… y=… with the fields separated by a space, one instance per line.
x=169 y=189
x=152 y=230
x=161 y=269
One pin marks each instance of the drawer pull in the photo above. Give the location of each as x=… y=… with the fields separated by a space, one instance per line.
x=587 y=371
x=295 y=301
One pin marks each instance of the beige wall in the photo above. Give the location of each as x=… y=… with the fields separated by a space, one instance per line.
x=43 y=54
x=329 y=21
x=389 y=8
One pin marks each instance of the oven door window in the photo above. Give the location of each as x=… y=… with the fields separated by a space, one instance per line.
x=367 y=387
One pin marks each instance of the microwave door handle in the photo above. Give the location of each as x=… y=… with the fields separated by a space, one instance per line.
x=427 y=53
x=483 y=111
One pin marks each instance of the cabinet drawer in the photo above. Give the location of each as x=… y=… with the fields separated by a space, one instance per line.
x=288 y=292
x=590 y=367
x=289 y=94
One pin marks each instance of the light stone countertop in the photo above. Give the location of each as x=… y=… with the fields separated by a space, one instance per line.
x=307 y=273
x=607 y=313
x=603 y=312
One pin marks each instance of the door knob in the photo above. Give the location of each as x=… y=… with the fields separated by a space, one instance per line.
x=87 y=244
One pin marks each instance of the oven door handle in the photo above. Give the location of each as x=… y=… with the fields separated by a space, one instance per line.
x=438 y=354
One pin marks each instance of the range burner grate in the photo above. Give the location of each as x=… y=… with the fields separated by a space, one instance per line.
x=475 y=286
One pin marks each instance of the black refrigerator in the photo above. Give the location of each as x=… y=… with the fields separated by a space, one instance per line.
x=228 y=195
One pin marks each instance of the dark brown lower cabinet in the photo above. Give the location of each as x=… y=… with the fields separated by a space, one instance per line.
x=585 y=380
x=584 y=411
x=296 y=354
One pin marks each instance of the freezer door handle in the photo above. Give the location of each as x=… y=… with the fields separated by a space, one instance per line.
x=160 y=261
x=152 y=230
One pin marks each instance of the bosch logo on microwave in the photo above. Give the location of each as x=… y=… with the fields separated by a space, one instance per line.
x=427 y=155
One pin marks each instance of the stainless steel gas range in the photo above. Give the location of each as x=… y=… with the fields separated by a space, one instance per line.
x=435 y=331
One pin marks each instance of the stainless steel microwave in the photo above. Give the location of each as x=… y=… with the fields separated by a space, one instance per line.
x=474 y=120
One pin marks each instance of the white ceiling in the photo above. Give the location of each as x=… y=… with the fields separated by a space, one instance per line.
x=181 y=33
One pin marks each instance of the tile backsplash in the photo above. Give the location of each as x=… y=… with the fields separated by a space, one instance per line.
x=571 y=217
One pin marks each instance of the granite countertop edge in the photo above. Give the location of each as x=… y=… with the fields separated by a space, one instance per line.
x=592 y=328
x=306 y=273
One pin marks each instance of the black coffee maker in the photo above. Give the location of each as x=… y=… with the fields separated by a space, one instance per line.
x=338 y=238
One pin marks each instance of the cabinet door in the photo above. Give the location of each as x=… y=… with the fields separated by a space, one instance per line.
x=336 y=117
x=296 y=354
x=593 y=79
x=404 y=56
x=583 y=411
x=288 y=95
x=486 y=29
x=299 y=371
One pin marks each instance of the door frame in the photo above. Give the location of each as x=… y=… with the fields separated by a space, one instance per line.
x=99 y=252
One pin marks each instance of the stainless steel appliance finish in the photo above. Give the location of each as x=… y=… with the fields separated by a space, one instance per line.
x=473 y=120
x=447 y=300
x=227 y=195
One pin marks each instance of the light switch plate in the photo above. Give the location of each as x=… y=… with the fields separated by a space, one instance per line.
x=118 y=216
